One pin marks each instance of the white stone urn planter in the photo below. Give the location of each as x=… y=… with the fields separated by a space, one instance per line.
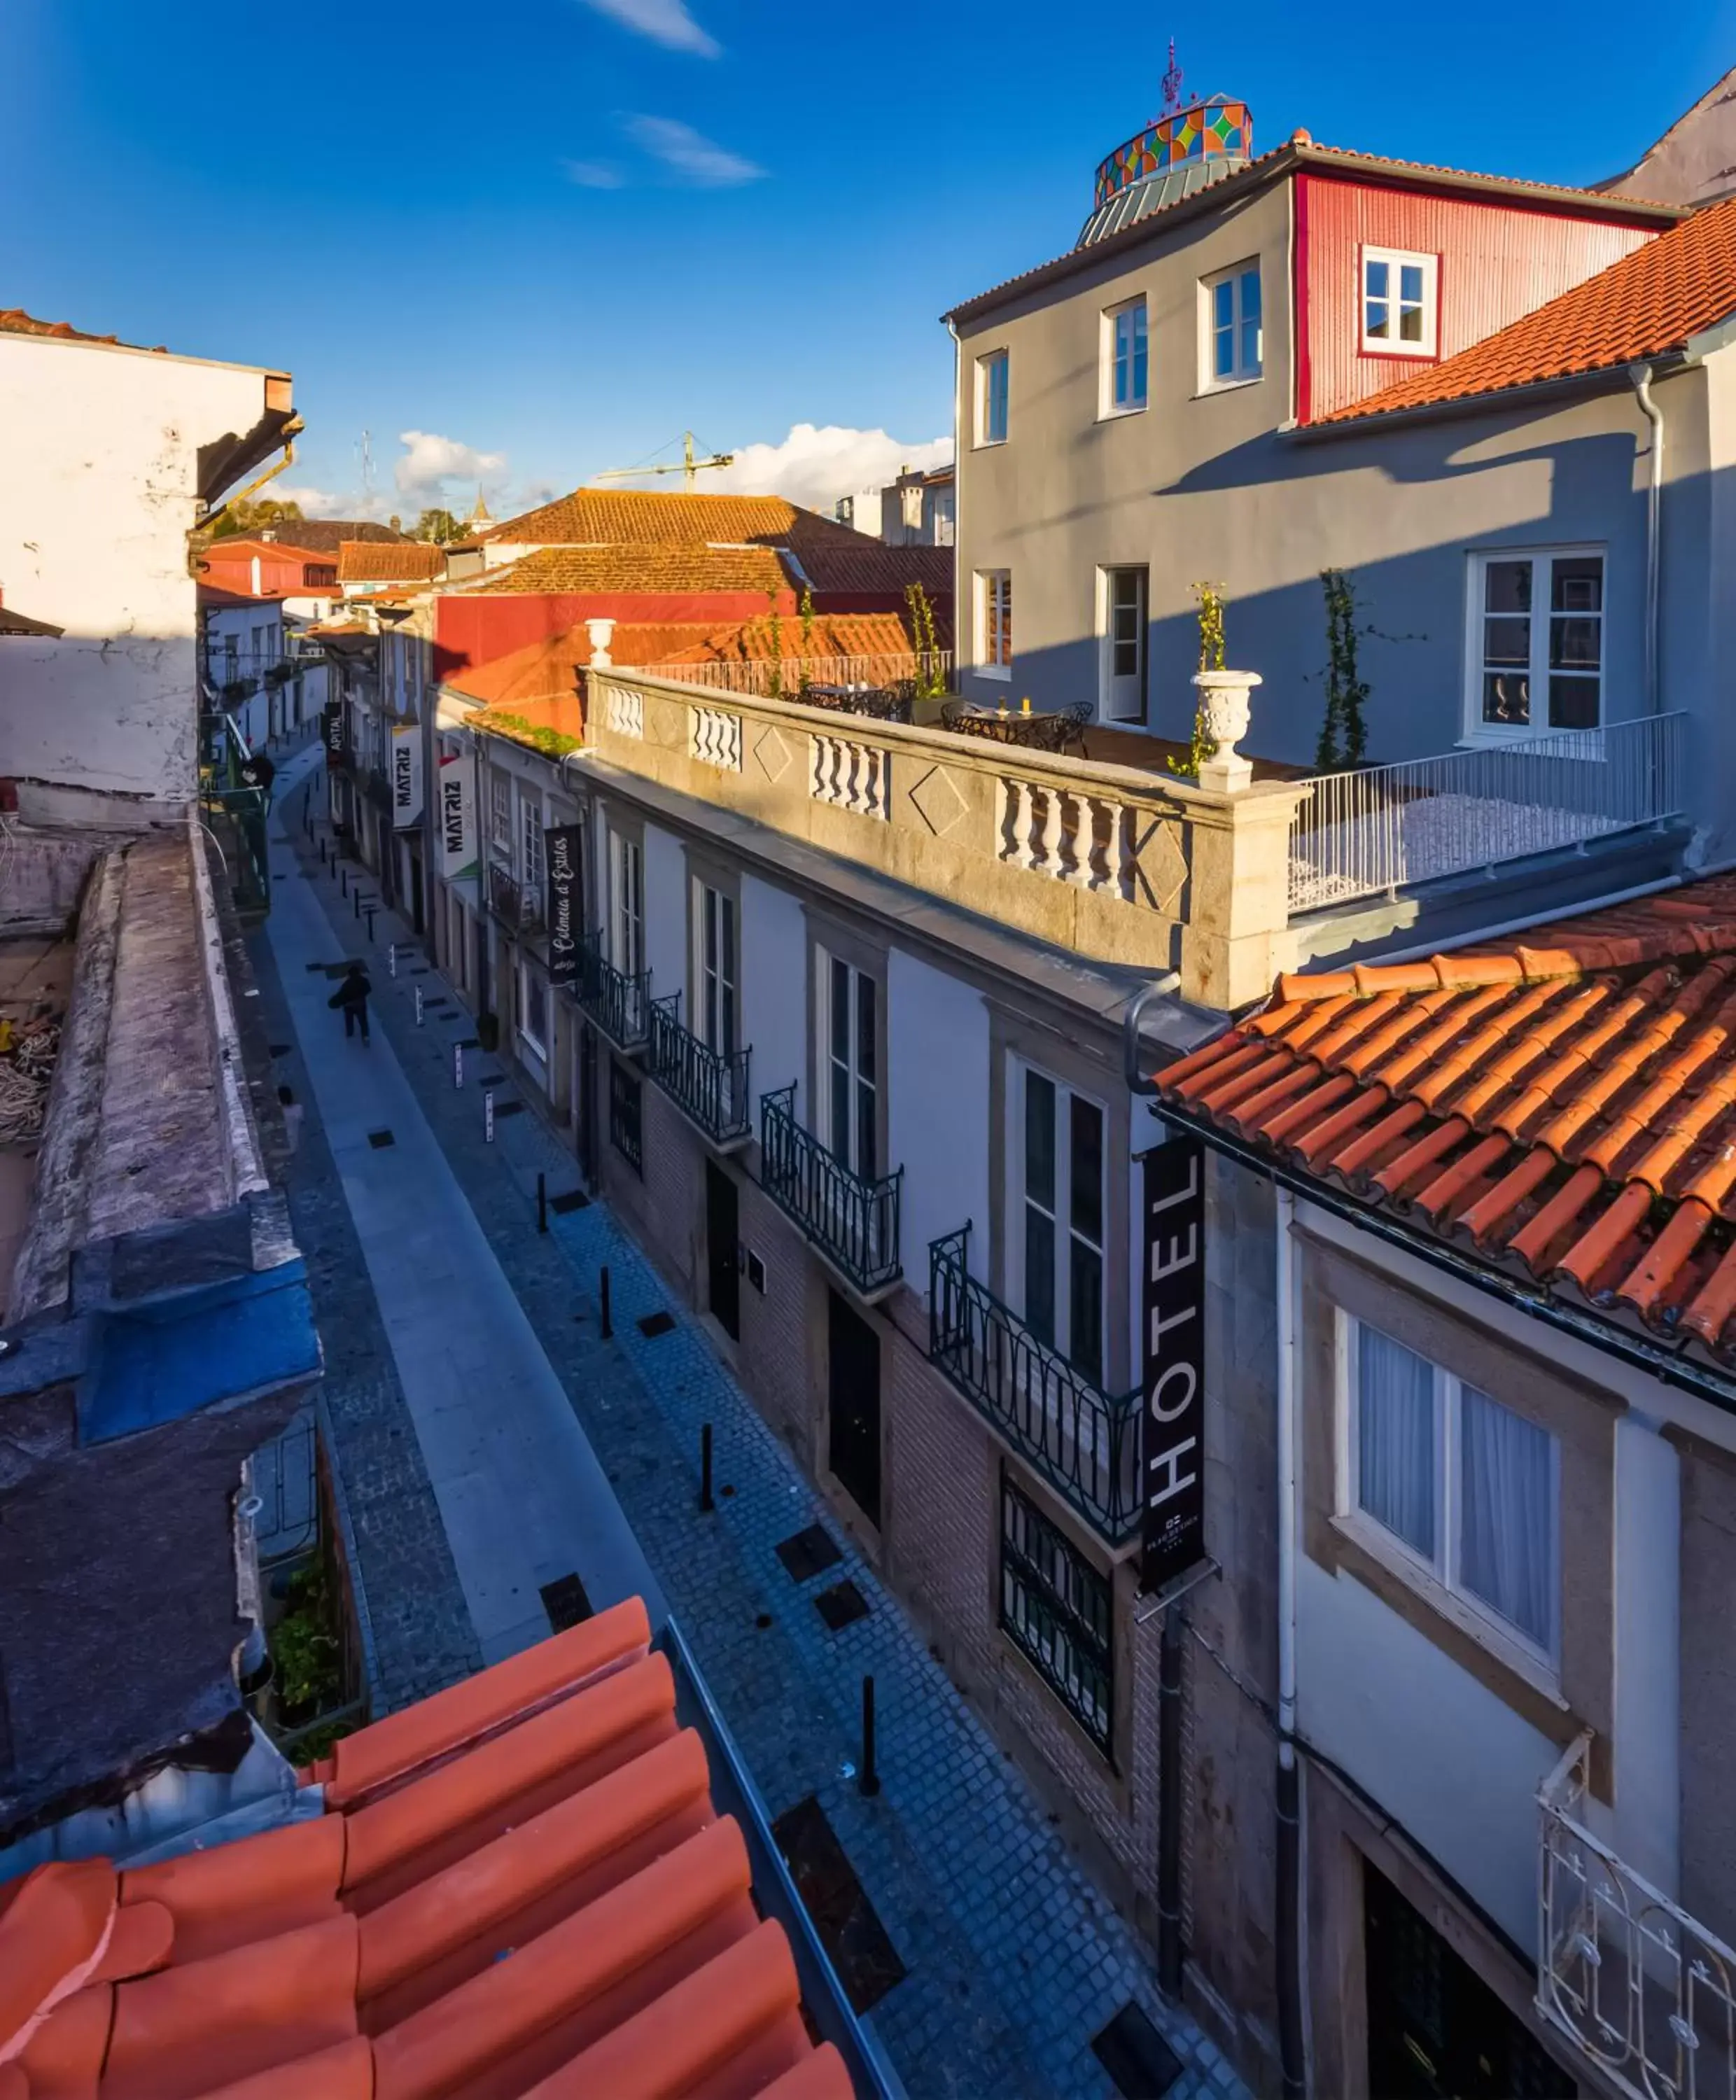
x=1224 y=698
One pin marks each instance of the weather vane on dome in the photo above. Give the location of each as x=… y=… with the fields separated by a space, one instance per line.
x=1170 y=84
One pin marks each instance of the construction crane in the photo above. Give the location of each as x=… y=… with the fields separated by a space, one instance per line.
x=687 y=469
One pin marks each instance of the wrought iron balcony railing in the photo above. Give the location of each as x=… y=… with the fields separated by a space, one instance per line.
x=1084 y=1441
x=517 y=904
x=854 y=1222
x=617 y=1002
x=708 y=1086
x=1646 y=1992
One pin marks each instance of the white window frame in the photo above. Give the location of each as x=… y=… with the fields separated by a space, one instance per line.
x=1477 y=560
x=846 y=1146
x=993 y=590
x=1396 y=259
x=528 y=979
x=1437 y=1580
x=1242 y=373
x=530 y=840
x=1107 y=679
x=1110 y=358
x=500 y=816
x=1020 y=1072
x=717 y=984
x=626 y=904
x=984 y=397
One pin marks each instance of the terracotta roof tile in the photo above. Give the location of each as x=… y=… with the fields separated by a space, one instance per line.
x=381 y=561
x=1565 y=1106
x=13 y=320
x=645 y=517
x=519 y=1887
x=1650 y=301
x=652 y=568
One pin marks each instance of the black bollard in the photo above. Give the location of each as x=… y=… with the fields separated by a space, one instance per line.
x=322 y=852
x=370 y=929
x=606 y=1326
x=867 y=1781
x=343 y=882
x=542 y=1202
x=355 y=902
x=706 y=1503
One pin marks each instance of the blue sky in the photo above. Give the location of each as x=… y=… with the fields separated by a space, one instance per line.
x=554 y=233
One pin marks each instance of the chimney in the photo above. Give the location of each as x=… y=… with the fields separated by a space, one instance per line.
x=600 y=632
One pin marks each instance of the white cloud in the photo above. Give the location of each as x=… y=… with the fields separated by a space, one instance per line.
x=593 y=175
x=689 y=154
x=430 y=462
x=815 y=466
x=314 y=502
x=665 y=22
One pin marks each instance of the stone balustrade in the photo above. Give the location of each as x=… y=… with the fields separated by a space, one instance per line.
x=1119 y=864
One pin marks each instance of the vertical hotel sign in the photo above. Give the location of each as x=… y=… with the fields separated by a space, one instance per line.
x=561 y=914
x=1172 y=1429
x=457 y=818
x=406 y=775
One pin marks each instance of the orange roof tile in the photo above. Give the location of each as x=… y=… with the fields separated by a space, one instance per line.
x=394 y=561
x=648 y=517
x=1650 y=302
x=650 y=567
x=13 y=320
x=831 y=634
x=1565 y=1106
x=518 y=1887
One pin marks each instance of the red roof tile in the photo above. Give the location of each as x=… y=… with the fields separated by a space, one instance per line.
x=648 y=517
x=639 y=567
x=381 y=561
x=1567 y=1106
x=1650 y=302
x=13 y=320
x=518 y=1887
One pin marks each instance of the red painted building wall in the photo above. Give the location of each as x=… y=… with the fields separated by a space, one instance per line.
x=1498 y=260
x=473 y=629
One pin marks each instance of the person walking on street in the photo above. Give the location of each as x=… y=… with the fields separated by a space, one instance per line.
x=352 y=996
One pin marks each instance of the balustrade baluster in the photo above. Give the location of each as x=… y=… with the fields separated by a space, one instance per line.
x=1050 y=858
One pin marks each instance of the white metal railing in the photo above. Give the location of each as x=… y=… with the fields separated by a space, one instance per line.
x=1386 y=826
x=768 y=678
x=1645 y=1993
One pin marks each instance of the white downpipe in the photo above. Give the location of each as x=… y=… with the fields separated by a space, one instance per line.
x=1641 y=375
x=1286 y=1445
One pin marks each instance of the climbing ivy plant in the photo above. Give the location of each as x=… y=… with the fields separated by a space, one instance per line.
x=1209 y=597
x=1343 y=732
x=774 y=630
x=804 y=678
x=931 y=681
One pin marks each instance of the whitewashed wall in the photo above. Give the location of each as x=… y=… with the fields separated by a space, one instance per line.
x=937 y=1108
x=774 y=990
x=99 y=479
x=666 y=916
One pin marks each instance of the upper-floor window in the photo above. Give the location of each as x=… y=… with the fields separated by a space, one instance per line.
x=1398 y=302
x=1126 y=360
x=500 y=815
x=530 y=830
x=1537 y=640
x=849 y=1103
x=991 y=399
x=1462 y=1490
x=626 y=905
x=714 y=969
x=1058 y=1237
x=1234 y=345
x=995 y=623
x=319 y=575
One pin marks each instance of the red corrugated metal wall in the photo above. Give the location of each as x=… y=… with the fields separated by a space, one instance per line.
x=1498 y=261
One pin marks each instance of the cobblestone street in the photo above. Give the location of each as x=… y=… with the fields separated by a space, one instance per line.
x=1014 y=1961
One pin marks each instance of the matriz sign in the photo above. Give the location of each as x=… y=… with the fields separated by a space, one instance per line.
x=1173 y=1428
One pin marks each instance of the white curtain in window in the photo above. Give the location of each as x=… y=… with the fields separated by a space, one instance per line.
x=1396 y=1438
x=1506 y=1545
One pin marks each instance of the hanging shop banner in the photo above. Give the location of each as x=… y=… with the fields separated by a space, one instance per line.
x=333 y=729
x=1172 y=1429
x=406 y=775
x=457 y=819
x=561 y=859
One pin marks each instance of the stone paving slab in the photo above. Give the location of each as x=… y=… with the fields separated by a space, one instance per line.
x=1015 y=1959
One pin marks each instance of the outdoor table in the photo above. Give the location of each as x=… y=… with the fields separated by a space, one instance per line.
x=1037 y=729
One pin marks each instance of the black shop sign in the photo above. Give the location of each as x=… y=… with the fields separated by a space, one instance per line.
x=561 y=915
x=1172 y=1426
